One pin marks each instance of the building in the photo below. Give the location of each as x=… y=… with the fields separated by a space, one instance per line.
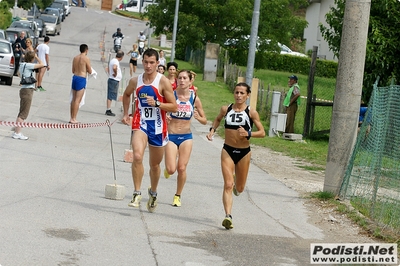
x=315 y=15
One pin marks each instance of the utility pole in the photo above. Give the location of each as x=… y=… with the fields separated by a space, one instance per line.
x=253 y=43
x=346 y=106
x=174 y=30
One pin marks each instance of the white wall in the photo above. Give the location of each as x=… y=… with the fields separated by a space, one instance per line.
x=315 y=15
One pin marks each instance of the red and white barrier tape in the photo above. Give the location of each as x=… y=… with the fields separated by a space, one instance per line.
x=54 y=125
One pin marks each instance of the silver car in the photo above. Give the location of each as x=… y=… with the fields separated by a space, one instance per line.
x=7 y=61
x=53 y=24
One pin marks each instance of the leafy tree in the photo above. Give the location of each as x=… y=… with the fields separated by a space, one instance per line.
x=383 y=45
x=5 y=15
x=217 y=21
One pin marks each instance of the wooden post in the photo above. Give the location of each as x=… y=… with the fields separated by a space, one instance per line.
x=310 y=89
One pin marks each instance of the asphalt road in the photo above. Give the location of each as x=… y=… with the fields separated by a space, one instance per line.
x=52 y=205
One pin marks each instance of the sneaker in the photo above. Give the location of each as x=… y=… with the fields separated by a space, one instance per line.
x=19 y=136
x=135 y=202
x=152 y=202
x=227 y=222
x=40 y=88
x=110 y=113
x=177 y=201
x=234 y=186
x=166 y=175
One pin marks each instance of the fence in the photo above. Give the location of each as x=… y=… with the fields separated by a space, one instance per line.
x=372 y=178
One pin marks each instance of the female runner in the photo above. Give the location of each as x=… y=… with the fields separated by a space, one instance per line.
x=236 y=154
x=180 y=137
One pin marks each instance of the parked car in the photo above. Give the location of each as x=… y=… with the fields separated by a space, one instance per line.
x=60 y=7
x=67 y=7
x=53 y=24
x=40 y=24
x=7 y=61
x=288 y=51
x=52 y=11
x=3 y=34
x=245 y=41
x=27 y=25
x=14 y=33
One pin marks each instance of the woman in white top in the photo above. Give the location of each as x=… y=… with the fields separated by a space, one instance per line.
x=26 y=91
x=161 y=60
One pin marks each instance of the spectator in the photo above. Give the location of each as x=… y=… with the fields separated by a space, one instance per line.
x=291 y=102
x=114 y=77
x=80 y=68
x=43 y=51
x=19 y=50
x=26 y=92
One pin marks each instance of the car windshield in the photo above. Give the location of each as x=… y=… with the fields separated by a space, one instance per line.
x=19 y=24
x=57 y=5
x=5 y=48
x=12 y=36
x=52 y=11
x=49 y=19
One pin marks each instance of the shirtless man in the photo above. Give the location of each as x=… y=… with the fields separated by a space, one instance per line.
x=80 y=68
x=155 y=98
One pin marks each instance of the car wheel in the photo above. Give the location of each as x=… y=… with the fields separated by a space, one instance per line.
x=58 y=33
x=8 y=81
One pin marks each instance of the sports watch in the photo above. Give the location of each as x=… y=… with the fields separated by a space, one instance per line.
x=157 y=103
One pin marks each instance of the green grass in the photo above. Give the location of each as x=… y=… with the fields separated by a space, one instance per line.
x=322 y=195
x=213 y=95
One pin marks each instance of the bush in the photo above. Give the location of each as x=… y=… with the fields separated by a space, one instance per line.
x=285 y=63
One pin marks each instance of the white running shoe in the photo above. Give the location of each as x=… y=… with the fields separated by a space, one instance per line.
x=19 y=136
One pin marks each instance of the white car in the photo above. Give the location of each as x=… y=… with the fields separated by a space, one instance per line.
x=7 y=61
x=284 y=48
x=287 y=50
x=67 y=6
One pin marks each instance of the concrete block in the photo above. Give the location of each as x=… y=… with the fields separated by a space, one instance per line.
x=291 y=136
x=114 y=192
x=128 y=156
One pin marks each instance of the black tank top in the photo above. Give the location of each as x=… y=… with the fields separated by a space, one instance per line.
x=233 y=119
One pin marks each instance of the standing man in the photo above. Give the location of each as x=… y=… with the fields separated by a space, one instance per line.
x=155 y=98
x=19 y=50
x=291 y=102
x=80 y=68
x=114 y=76
x=43 y=51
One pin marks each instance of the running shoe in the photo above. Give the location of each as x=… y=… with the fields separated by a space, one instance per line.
x=234 y=186
x=166 y=175
x=19 y=136
x=227 y=222
x=152 y=202
x=177 y=201
x=40 y=88
x=135 y=202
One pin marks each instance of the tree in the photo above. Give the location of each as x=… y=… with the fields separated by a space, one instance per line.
x=220 y=20
x=383 y=46
x=5 y=15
